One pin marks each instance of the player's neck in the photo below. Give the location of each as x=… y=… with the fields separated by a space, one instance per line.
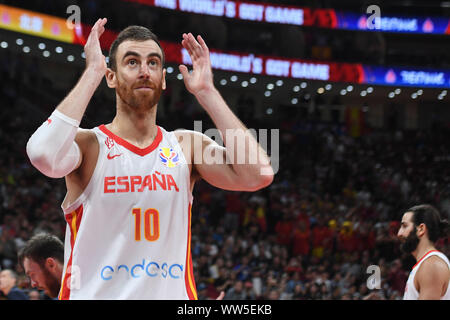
x=422 y=248
x=135 y=126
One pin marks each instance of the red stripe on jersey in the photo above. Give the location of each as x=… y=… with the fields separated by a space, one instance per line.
x=73 y=220
x=139 y=151
x=424 y=257
x=189 y=273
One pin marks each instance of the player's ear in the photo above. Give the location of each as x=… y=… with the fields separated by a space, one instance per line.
x=50 y=263
x=110 y=76
x=421 y=228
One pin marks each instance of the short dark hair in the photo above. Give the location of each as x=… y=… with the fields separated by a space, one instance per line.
x=40 y=247
x=430 y=216
x=135 y=33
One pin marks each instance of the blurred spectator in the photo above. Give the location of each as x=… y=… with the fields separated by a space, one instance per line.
x=347 y=241
x=283 y=229
x=301 y=239
x=274 y=294
x=322 y=238
x=34 y=295
x=8 y=281
x=397 y=277
x=8 y=248
x=236 y=292
x=249 y=292
x=202 y=293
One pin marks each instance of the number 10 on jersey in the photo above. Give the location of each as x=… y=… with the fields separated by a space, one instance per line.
x=150 y=222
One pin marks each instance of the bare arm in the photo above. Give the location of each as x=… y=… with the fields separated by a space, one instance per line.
x=248 y=167
x=432 y=279
x=75 y=103
x=62 y=154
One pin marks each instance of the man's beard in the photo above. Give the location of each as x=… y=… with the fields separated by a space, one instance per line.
x=52 y=284
x=411 y=242
x=139 y=101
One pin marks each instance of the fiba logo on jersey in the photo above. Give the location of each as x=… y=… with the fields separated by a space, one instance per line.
x=168 y=157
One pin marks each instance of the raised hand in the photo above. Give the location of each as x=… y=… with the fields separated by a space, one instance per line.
x=201 y=78
x=95 y=59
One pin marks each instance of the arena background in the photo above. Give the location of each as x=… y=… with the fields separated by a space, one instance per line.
x=363 y=133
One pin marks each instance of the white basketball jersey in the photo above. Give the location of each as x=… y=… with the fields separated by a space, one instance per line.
x=128 y=234
x=411 y=292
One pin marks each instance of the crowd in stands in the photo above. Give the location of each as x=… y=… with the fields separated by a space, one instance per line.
x=332 y=211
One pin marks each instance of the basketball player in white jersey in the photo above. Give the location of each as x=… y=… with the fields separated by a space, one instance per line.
x=421 y=227
x=129 y=182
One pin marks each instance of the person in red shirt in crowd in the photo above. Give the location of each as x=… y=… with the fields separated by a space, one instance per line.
x=261 y=217
x=397 y=277
x=234 y=210
x=301 y=239
x=283 y=229
x=371 y=238
x=249 y=213
x=366 y=237
x=302 y=216
x=393 y=228
x=321 y=238
x=347 y=240
x=255 y=213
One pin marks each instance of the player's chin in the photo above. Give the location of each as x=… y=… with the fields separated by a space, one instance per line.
x=145 y=94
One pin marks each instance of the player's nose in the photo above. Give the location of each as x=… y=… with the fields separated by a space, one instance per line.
x=144 y=72
x=34 y=284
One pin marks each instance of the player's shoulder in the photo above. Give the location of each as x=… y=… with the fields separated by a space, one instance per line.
x=185 y=140
x=434 y=265
x=437 y=260
x=185 y=135
x=184 y=132
x=192 y=134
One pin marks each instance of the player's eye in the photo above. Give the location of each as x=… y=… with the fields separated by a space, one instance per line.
x=132 y=62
